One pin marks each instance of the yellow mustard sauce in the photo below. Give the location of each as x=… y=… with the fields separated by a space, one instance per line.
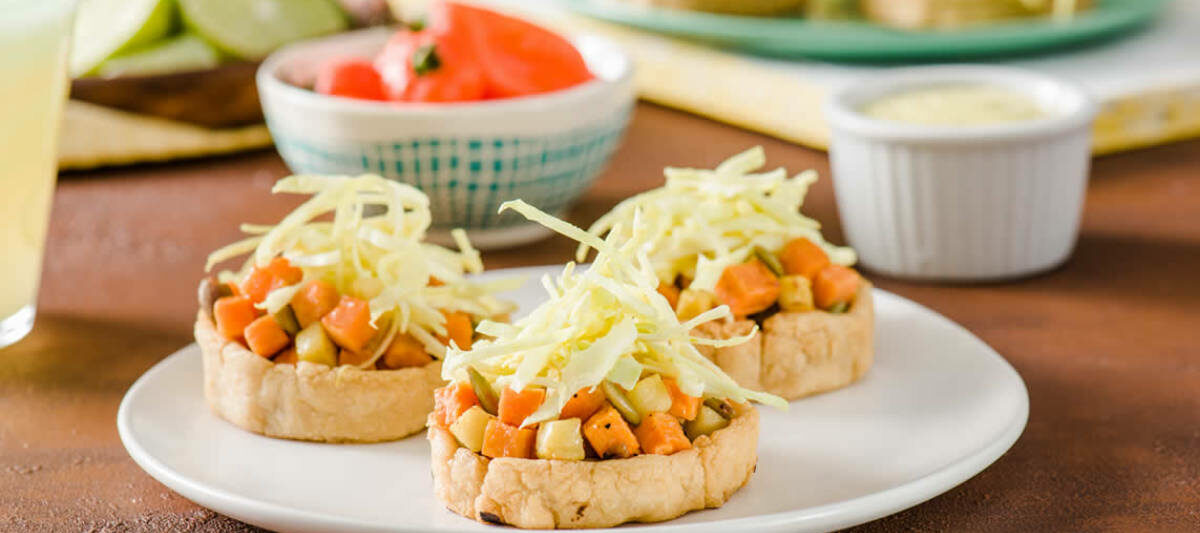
x=955 y=105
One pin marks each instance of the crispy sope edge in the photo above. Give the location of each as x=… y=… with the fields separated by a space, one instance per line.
x=795 y=355
x=313 y=402
x=546 y=494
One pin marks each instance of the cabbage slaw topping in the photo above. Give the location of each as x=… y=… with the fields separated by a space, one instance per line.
x=702 y=221
x=371 y=253
x=608 y=322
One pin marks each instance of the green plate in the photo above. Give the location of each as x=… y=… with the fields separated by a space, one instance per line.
x=862 y=41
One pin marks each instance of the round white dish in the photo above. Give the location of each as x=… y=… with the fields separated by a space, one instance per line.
x=468 y=157
x=938 y=406
x=961 y=203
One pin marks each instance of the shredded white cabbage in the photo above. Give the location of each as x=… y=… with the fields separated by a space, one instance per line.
x=373 y=248
x=702 y=221
x=608 y=322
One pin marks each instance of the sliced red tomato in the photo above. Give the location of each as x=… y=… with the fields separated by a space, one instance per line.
x=426 y=66
x=517 y=57
x=351 y=78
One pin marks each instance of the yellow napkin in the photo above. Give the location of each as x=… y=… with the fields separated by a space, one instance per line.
x=93 y=136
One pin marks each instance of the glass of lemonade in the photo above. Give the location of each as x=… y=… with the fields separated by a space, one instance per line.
x=34 y=36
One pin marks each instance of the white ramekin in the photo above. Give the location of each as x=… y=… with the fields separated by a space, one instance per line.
x=961 y=203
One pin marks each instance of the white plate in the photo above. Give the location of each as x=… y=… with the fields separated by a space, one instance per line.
x=938 y=407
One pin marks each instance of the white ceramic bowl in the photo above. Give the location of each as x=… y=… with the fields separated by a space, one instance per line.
x=467 y=157
x=961 y=203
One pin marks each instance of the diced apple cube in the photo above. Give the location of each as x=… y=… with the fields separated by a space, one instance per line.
x=795 y=293
x=560 y=439
x=650 y=395
x=693 y=302
x=469 y=426
x=706 y=422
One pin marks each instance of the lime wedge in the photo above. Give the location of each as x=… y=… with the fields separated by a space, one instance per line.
x=107 y=27
x=251 y=29
x=178 y=54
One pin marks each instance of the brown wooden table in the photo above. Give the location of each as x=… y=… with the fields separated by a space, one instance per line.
x=1107 y=344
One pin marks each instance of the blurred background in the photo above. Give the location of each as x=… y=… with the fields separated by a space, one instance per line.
x=762 y=65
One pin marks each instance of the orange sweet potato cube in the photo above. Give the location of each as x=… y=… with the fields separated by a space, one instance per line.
x=347 y=357
x=349 y=324
x=264 y=337
x=609 y=434
x=451 y=401
x=833 y=285
x=405 y=351
x=313 y=301
x=262 y=280
x=507 y=440
x=747 y=288
x=287 y=357
x=802 y=257
x=682 y=405
x=232 y=314
x=516 y=406
x=583 y=404
x=670 y=292
x=459 y=329
x=661 y=434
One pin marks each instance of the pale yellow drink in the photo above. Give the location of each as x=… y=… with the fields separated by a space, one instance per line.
x=33 y=89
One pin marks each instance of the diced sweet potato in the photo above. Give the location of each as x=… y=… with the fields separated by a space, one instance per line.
x=682 y=405
x=287 y=357
x=405 y=352
x=451 y=401
x=803 y=257
x=670 y=292
x=661 y=434
x=264 y=337
x=583 y=404
x=459 y=329
x=262 y=280
x=347 y=357
x=516 y=406
x=609 y=435
x=257 y=284
x=506 y=440
x=747 y=288
x=232 y=314
x=833 y=285
x=283 y=270
x=349 y=324
x=313 y=301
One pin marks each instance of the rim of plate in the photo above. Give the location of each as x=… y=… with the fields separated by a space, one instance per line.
x=859 y=40
x=834 y=515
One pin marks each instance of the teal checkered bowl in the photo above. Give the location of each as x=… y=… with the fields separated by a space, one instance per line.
x=467 y=157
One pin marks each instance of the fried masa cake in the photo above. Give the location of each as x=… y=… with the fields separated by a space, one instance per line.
x=595 y=409
x=333 y=330
x=732 y=237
